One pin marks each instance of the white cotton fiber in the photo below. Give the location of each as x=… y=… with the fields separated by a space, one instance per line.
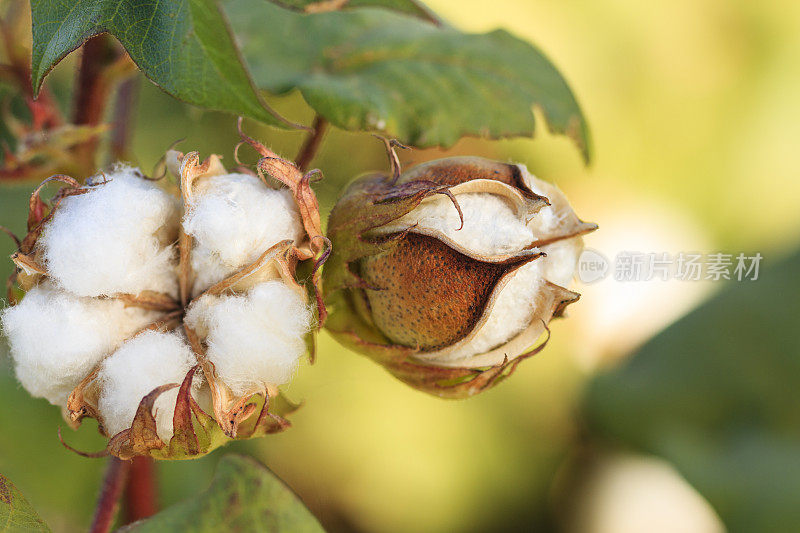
x=256 y=339
x=518 y=301
x=511 y=314
x=141 y=364
x=234 y=219
x=490 y=225
x=57 y=338
x=114 y=239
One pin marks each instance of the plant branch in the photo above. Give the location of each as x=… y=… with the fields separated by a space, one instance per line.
x=312 y=144
x=140 y=492
x=91 y=92
x=122 y=122
x=107 y=503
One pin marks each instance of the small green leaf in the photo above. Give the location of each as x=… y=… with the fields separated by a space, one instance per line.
x=244 y=496
x=371 y=69
x=16 y=514
x=410 y=7
x=718 y=395
x=183 y=46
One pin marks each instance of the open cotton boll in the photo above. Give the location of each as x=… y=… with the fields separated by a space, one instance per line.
x=490 y=225
x=141 y=364
x=57 y=338
x=254 y=340
x=235 y=218
x=114 y=239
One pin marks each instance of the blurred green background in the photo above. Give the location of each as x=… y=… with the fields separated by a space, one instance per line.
x=695 y=121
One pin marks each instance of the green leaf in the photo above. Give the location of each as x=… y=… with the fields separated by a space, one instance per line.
x=371 y=69
x=718 y=395
x=244 y=496
x=410 y=7
x=183 y=46
x=16 y=514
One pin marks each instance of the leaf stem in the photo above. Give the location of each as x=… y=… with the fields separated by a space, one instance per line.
x=140 y=492
x=107 y=503
x=312 y=144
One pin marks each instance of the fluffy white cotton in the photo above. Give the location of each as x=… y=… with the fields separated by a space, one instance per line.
x=256 y=339
x=234 y=219
x=141 y=364
x=490 y=225
x=114 y=239
x=57 y=338
x=518 y=301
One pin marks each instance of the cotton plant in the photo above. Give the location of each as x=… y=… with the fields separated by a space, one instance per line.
x=177 y=316
x=172 y=320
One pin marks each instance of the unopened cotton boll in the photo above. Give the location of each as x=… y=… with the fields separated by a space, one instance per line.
x=139 y=366
x=234 y=219
x=254 y=340
x=116 y=238
x=57 y=338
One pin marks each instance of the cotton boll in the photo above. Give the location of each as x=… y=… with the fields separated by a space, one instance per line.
x=254 y=340
x=490 y=225
x=114 y=239
x=234 y=219
x=141 y=364
x=57 y=338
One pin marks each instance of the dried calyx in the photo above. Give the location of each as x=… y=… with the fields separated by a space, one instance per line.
x=172 y=321
x=448 y=274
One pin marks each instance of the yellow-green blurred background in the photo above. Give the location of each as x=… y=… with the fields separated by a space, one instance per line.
x=694 y=114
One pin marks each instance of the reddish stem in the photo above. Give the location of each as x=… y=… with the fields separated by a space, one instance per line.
x=122 y=125
x=91 y=92
x=140 y=493
x=107 y=503
x=92 y=87
x=310 y=147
